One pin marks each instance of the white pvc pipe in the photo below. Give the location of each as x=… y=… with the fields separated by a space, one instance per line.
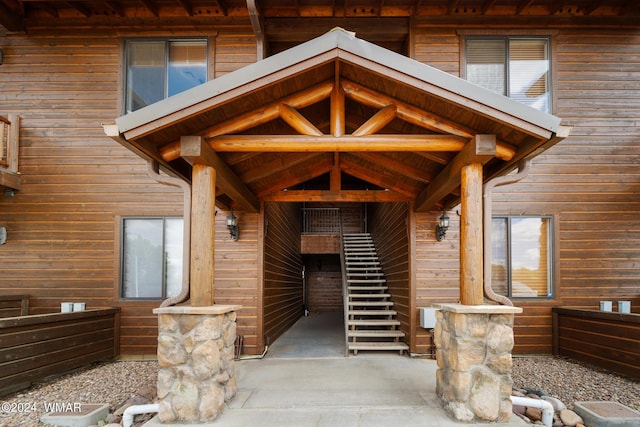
x=131 y=411
x=547 y=408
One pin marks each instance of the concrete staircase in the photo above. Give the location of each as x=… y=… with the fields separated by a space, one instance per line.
x=370 y=319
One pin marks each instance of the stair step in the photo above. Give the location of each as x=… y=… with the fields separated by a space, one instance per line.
x=364 y=274
x=366 y=280
x=361 y=262
x=367 y=288
x=373 y=322
x=372 y=313
x=370 y=296
x=376 y=334
x=365 y=269
x=363 y=345
x=371 y=303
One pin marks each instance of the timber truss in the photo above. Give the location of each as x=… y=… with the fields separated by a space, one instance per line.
x=337 y=119
x=322 y=152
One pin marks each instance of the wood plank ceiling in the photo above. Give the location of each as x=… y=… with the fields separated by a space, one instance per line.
x=313 y=15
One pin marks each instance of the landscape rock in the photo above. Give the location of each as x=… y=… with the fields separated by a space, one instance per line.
x=570 y=418
x=534 y=414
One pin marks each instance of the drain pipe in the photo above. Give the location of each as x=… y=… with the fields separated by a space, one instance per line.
x=547 y=408
x=153 y=171
x=487 y=193
x=133 y=410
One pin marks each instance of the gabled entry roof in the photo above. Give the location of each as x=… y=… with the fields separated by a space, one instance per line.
x=338 y=119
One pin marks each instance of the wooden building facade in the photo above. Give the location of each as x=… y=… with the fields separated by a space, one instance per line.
x=63 y=74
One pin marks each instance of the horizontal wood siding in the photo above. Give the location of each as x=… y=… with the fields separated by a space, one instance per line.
x=282 y=268
x=238 y=273
x=589 y=180
x=14 y=305
x=608 y=340
x=388 y=225
x=63 y=224
x=436 y=269
x=35 y=347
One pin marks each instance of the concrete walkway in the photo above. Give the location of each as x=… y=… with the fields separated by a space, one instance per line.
x=298 y=388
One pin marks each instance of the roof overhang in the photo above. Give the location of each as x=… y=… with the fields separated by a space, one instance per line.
x=338 y=106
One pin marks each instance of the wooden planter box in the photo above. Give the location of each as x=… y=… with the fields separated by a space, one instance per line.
x=609 y=340
x=38 y=346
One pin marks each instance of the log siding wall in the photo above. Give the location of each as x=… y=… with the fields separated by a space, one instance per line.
x=63 y=225
x=589 y=181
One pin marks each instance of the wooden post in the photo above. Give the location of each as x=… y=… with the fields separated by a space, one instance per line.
x=203 y=198
x=471 y=292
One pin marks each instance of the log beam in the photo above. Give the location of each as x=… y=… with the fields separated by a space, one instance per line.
x=256 y=117
x=377 y=121
x=203 y=196
x=337 y=119
x=480 y=149
x=195 y=151
x=361 y=196
x=471 y=254
x=297 y=121
x=328 y=143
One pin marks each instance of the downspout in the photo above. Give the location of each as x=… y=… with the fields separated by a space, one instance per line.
x=154 y=173
x=523 y=171
x=132 y=411
x=256 y=24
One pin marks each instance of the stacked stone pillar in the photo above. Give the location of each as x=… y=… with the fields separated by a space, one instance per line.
x=473 y=348
x=196 y=358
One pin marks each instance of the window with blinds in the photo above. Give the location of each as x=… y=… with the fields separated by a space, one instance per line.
x=512 y=66
x=521 y=256
x=156 y=69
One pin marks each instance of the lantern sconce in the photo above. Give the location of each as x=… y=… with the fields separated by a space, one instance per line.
x=232 y=226
x=443 y=225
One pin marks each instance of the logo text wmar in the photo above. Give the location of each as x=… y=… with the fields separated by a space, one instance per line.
x=62 y=407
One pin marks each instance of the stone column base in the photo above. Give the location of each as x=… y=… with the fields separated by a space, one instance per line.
x=473 y=349
x=196 y=358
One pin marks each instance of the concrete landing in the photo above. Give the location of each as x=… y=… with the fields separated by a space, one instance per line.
x=361 y=391
x=305 y=381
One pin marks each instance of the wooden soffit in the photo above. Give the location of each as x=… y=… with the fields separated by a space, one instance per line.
x=338 y=119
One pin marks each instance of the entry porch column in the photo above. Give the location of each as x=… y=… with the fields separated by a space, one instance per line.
x=474 y=340
x=196 y=342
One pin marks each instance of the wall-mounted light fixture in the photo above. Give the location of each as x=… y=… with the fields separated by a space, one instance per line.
x=232 y=226
x=443 y=225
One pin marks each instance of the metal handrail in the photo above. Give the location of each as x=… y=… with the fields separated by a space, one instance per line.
x=345 y=293
x=321 y=221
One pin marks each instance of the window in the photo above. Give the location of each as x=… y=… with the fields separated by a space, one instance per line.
x=151 y=257
x=156 y=69
x=521 y=256
x=516 y=67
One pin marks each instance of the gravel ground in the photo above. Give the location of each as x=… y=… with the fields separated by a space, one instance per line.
x=111 y=383
x=114 y=383
x=572 y=382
